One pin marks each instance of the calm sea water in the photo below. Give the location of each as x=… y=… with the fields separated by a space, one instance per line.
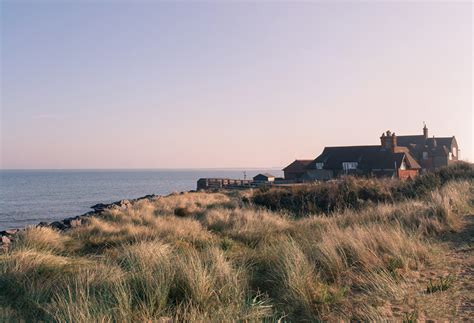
x=31 y=196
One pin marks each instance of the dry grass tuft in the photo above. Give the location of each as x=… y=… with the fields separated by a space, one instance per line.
x=41 y=238
x=247 y=225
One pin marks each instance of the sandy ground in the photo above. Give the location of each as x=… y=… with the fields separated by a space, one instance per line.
x=456 y=303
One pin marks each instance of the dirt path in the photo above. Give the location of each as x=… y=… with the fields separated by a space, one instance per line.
x=456 y=303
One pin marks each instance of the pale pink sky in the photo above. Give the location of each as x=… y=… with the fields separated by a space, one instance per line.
x=192 y=85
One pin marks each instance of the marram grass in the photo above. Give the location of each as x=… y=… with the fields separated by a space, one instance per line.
x=223 y=260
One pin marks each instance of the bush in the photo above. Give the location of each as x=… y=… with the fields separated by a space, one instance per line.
x=424 y=184
x=326 y=197
x=355 y=193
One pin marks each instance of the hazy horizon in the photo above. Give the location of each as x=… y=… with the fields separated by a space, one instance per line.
x=109 y=85
x=242 y=168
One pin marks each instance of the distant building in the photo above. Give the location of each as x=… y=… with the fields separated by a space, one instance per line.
x=396 y=156
x=265 y=177
x=296 y=169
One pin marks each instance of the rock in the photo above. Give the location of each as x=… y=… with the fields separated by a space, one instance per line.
x=124 y=204
x=100 y=207
x=147 y=197
x=79 y=220
x=8 y=233
x=58 y=225
x=88 y=214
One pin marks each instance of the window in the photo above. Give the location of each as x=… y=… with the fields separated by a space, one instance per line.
x=349 y=165
x=450 y=155
x=425 y=155
x=454 y=151
x=319 y=165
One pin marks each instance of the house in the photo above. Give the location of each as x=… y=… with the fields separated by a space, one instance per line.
x=296 y=169
x=265 y=177
x=431 y=153
x=396 y=156
x=381 y=161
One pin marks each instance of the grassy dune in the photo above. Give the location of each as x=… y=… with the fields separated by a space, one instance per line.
x=220 y=257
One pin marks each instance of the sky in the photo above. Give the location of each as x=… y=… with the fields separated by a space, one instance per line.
x=122 y=84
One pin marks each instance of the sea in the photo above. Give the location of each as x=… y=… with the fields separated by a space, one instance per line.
x=28 y=197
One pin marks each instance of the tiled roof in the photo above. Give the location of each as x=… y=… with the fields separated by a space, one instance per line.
x=367 y=157
x=419 y=143
x=299 y=165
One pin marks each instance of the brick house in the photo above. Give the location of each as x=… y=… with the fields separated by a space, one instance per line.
x=396 y=156
x=384 y=160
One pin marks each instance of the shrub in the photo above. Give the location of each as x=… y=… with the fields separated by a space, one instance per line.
x=424 y=184
x=356 y=193
x=326 y=197
x=182 y=212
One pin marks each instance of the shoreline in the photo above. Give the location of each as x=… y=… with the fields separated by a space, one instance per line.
x=7 y=236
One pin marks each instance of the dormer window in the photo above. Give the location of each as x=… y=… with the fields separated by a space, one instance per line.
x=319 y=165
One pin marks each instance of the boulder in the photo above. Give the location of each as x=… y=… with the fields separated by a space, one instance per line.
x=59 y=225
x=88 y=214
x=5 y=240
x=124 y=204
x=100 y=207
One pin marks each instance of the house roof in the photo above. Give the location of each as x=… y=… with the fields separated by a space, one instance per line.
x=367 y=157
x=409 y=159
x=299 y=165
x=267 y=175
x=418 y=143
x=411 y=140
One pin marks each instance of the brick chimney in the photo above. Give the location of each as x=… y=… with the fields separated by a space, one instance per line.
x=388 y=140
x=425 y=131
x=393 y=142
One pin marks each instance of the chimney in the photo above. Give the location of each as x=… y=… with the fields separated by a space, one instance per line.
x=382 y=140
x=394 y=142
x=386 y=140
x=425 y=131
